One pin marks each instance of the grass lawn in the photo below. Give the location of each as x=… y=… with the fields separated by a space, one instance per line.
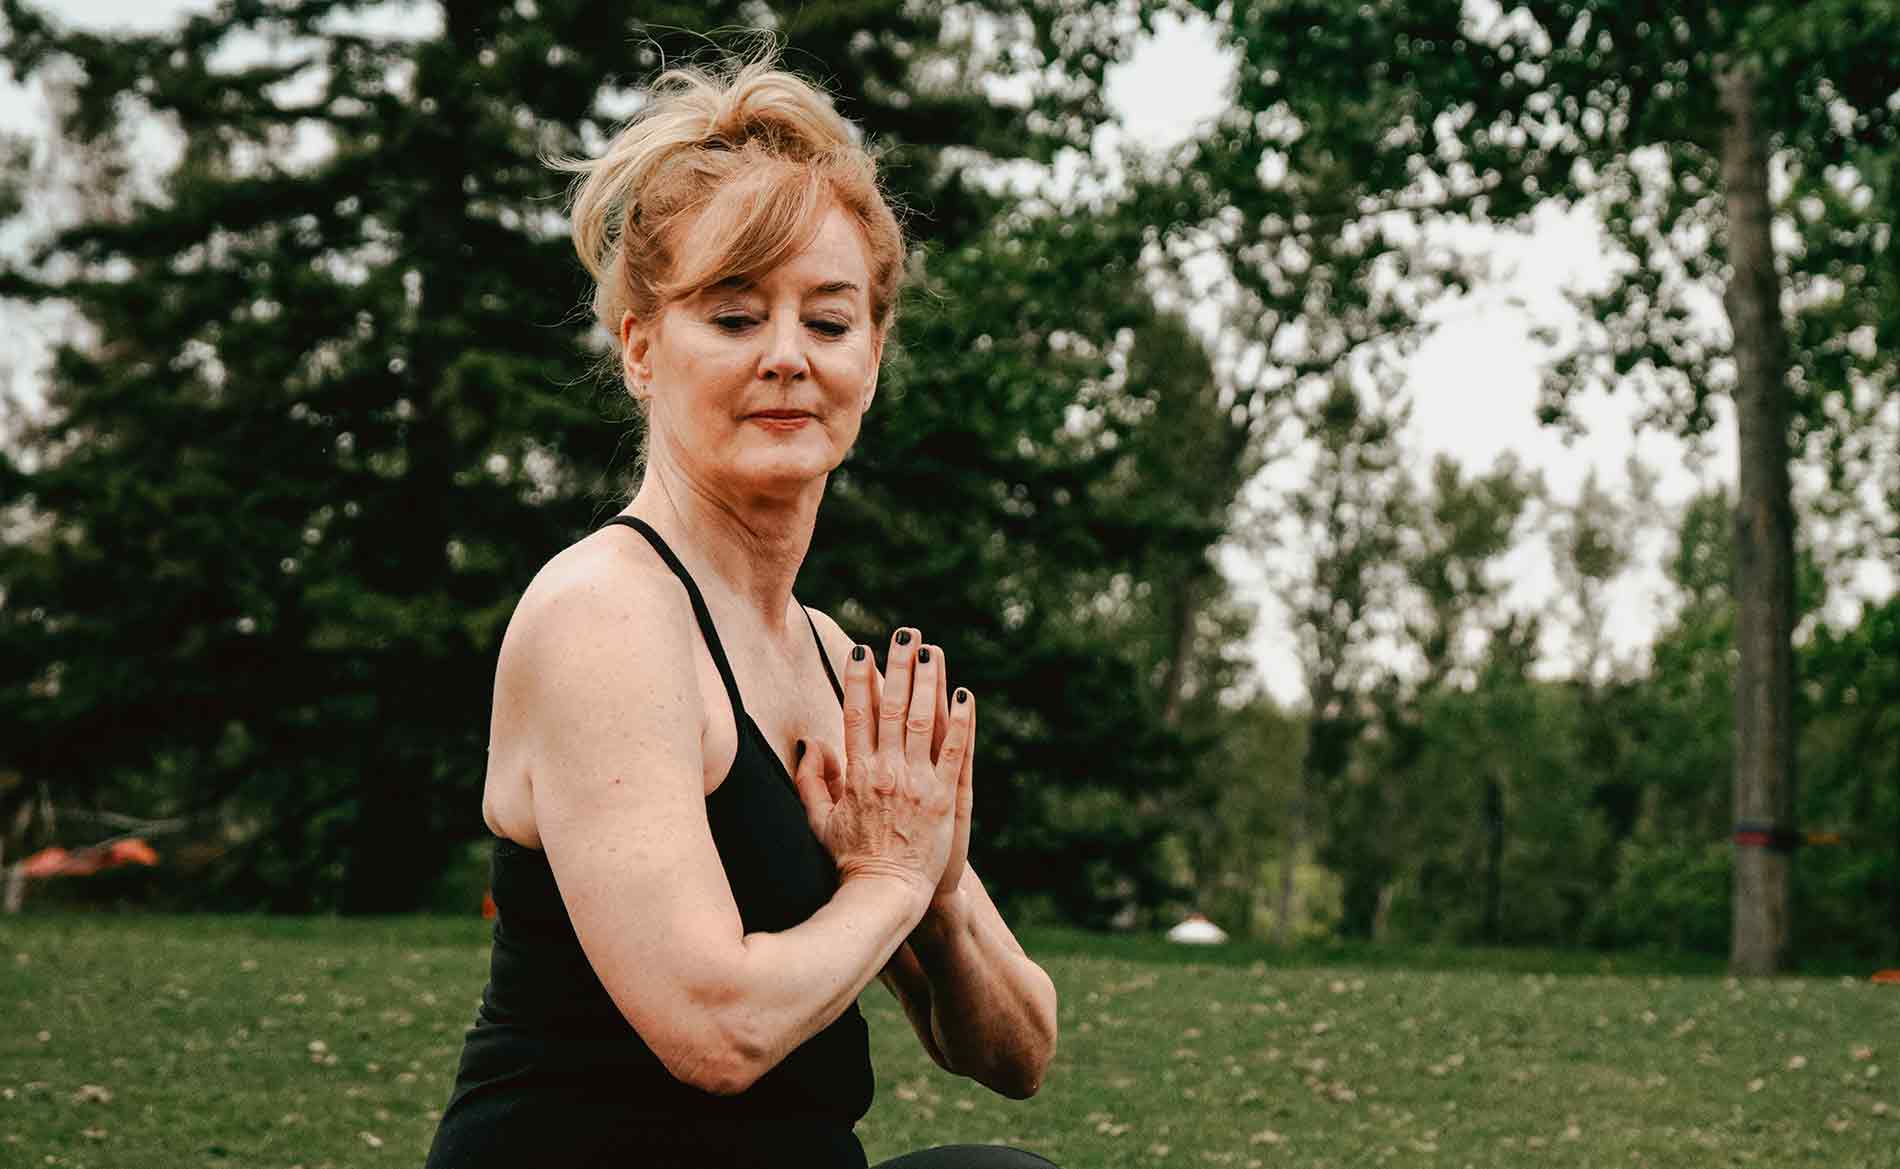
x=221 y=1042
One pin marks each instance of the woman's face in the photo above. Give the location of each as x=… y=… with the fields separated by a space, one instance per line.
x=758 y=388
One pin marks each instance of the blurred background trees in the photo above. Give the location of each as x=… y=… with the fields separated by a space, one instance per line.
x=327 y=405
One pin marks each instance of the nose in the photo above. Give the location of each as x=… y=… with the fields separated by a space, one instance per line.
x=783 y=360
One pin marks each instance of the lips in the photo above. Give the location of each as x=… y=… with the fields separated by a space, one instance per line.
x=780 y=420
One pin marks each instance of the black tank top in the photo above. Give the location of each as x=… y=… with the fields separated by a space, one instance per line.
x=553 y=1076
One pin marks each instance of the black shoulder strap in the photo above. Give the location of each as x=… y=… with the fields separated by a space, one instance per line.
x=700 y=611
x=824 y=657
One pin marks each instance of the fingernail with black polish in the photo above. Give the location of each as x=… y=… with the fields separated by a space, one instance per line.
x=923 y=655
x=963 y=696
x=857 y=653
x=903 y=637
x=798 y=752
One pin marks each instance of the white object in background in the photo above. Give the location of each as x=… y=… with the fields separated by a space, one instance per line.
x=1196 y=930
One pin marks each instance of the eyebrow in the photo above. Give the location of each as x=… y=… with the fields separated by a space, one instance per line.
x=741 y=284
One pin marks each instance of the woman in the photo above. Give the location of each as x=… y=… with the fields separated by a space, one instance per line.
x=717 y=820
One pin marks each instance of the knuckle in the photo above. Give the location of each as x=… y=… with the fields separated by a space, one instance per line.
x=919 y=724
x=856 y=714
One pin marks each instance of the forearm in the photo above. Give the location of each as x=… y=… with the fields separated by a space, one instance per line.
x=992 y=1009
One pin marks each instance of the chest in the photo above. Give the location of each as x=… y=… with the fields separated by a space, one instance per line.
x=778 y=871
x=785 y=691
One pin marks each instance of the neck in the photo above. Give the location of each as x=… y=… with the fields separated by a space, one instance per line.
x=753 y=544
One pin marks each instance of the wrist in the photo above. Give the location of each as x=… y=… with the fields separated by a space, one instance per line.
x=894 y=884
x=945 y=918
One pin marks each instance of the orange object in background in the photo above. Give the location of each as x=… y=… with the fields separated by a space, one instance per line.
x=488 y=905
x=132 y=851
x=1888 y=977
x=47 y=862
x=58 y=862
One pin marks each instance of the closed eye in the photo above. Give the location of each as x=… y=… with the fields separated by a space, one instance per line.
x=734 y=323
x=829 y=328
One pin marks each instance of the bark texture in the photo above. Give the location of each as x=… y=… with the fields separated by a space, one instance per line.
x=1764 y=550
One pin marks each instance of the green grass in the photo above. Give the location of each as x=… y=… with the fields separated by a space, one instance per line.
x=223 y=1042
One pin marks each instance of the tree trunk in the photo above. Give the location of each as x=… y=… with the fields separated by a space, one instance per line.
x=1293 y=841
x=1361 y=893
x=15 y=893
x=1893 y=879
x=1174 y=681
x=1493 y=907
x=1764 y=554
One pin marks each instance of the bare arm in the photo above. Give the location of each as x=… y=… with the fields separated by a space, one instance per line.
x=613 y=713
x=980 y=1005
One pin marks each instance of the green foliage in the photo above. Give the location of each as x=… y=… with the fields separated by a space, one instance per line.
x=1669 y=894
x=1848 y=887
x=1230 y=819
x=1362 y=126
x=1492 y=807
x=1501 y=838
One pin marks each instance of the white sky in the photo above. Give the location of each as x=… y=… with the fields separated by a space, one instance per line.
x=1474 y=382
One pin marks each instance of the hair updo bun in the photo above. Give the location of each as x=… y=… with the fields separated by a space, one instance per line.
x=759 y=151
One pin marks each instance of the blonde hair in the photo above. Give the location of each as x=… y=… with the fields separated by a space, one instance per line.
x=759 y=151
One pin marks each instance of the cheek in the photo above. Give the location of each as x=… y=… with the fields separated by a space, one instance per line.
x=849 y=375
x=708 y=381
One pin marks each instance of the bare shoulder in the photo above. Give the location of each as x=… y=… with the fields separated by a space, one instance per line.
x=590 y=671
x=598 y=582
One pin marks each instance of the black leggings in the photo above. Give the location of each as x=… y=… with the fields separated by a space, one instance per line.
x=968 y=1157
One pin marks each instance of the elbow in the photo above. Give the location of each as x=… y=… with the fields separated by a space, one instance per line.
x=1042 y=1051
x=1018 y=1083
x=1020 y=1076
x=717 y=1077
x=1029 y=1078
x=714 y=1050
x=715 y=1062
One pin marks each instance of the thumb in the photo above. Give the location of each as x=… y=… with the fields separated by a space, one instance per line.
x=808 y=777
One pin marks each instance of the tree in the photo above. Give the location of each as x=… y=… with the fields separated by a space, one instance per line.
x=1304 y=199
x=1468 y=641
x=1850 y=892
x=1665 y=118
x=1231 y=819
x=319 y=429
x=1355 y=505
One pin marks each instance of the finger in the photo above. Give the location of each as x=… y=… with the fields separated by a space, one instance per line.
x=832 y=768
x=921 y=722
x=808 y=776
x=894 y=698
x=966 y=782
x=860 y=709
x=943 y=702
x=953 y=762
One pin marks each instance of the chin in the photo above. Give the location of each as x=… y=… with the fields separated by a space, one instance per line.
x=785 y=472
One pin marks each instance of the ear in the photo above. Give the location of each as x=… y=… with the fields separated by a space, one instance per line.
x=634 y=343
x=877 y=365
